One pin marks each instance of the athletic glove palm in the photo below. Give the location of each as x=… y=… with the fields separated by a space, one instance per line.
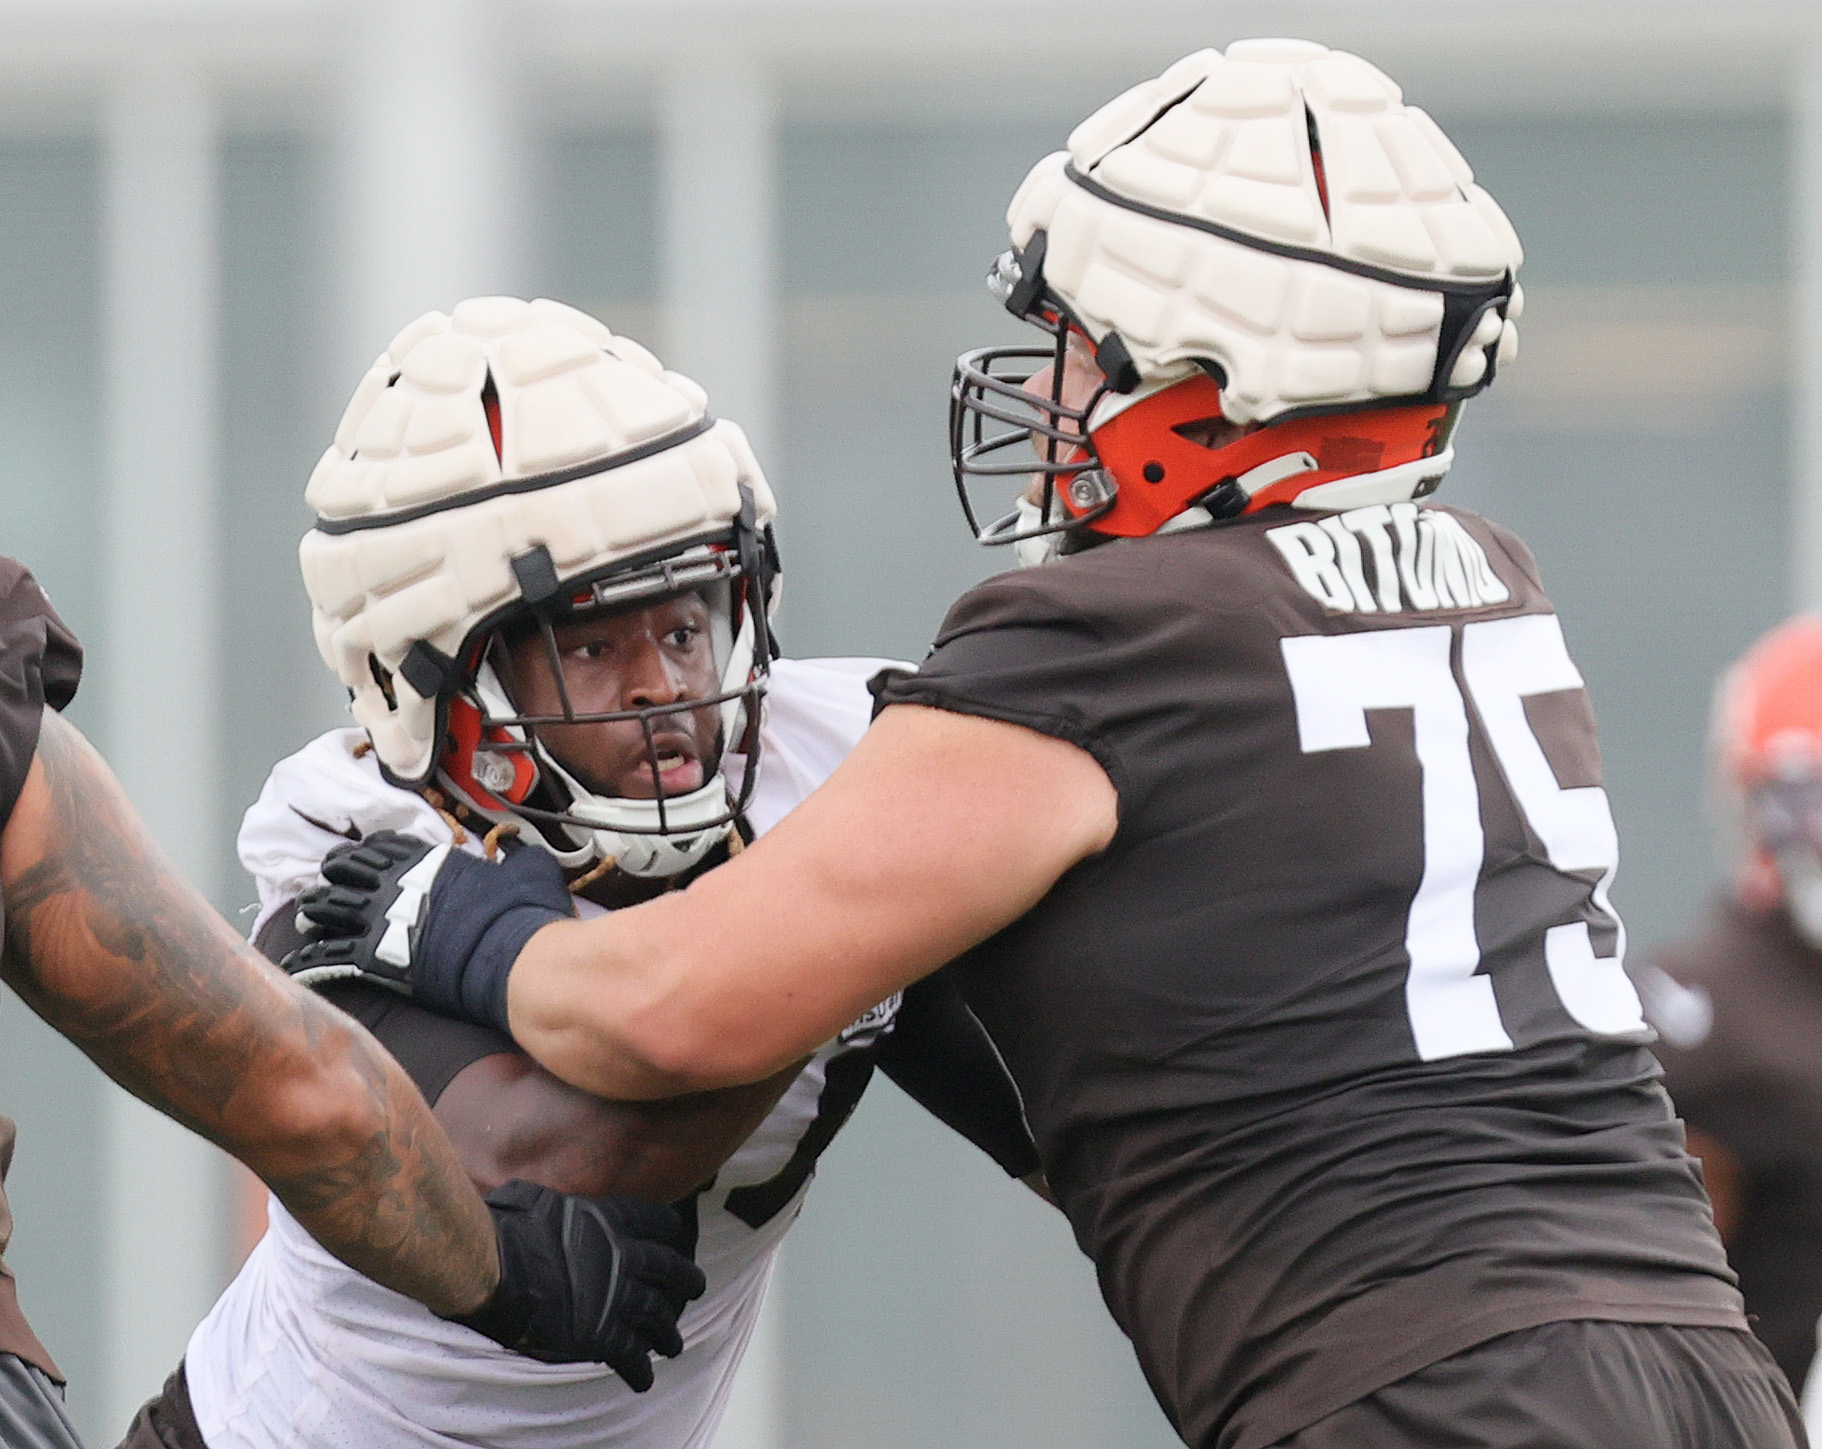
x=428 y=920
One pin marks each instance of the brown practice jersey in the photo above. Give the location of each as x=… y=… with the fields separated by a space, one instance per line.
x=1741 y=1017
x=39 y=665
x=1329 y=1056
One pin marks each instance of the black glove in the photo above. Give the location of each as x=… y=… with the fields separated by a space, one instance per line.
x=587 y=1280
x=427 y=920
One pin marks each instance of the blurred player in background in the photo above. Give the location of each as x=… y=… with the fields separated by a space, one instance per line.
x=1265 y=818
x=1738 y=1002
x=594 y=554
x=113 y=950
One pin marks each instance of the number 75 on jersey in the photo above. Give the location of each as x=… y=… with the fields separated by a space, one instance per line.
x=1336 y=678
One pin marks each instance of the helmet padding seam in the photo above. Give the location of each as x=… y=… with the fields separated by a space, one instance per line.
x=1491 y=287
x=519 y=485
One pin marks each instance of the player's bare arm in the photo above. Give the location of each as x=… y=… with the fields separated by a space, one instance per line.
x=113 y=949
x=938 y=830
x=509 y=1118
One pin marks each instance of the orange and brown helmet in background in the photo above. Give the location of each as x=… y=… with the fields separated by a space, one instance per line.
x=1767 y=759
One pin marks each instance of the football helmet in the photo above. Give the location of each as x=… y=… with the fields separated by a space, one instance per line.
x=1766 y=748
x=505 y=477
x=1287 y=282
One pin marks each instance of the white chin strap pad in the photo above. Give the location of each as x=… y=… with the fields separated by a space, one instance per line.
x=627 y=828
x=1390 y=485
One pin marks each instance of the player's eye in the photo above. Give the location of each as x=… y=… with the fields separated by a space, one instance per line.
x=683 y=636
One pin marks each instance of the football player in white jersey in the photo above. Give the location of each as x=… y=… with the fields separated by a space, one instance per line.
x=545 y=574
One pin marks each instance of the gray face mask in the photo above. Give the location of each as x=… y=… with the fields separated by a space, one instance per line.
x=1786 y=818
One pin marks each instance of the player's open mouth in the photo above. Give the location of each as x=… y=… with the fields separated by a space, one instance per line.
x=678 y=770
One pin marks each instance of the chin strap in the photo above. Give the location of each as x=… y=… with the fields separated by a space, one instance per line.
x=1235 y=496
x=1398 y=484
x=1402 y=484
x=645 y=853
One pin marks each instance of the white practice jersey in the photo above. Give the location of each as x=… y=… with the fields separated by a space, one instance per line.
x=301 y=1352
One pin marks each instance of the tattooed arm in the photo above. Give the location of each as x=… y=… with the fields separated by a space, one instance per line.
x=112 y=948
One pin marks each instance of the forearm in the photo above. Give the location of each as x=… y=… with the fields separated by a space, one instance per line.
x=937 y=831
x=383 y=1190
x=636 y=1006
x=115 y=951
x=511 y=1119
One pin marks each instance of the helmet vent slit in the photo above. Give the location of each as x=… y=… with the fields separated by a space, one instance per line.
x=1322 y=178
x=490 y=404
x=1126 y=140
x=429 y=567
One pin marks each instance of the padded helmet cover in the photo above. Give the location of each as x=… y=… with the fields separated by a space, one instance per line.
x=1279 y=212
x=602 y=455
x=1768 y=708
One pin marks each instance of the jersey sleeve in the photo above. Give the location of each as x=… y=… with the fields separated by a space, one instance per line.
x=40 y=663
x=432 y=1048
x=1010 y=650
x=942 y=1058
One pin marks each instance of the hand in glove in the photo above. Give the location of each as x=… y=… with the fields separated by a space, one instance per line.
x=438 y=925
x=586 y=1279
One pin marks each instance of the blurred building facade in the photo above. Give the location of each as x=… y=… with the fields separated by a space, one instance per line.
x=213 y=213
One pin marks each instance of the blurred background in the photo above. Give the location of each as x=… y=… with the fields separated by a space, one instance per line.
x=214 y=213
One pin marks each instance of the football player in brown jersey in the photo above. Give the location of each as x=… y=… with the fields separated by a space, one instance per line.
x=1264 y=818
x=1738 y=998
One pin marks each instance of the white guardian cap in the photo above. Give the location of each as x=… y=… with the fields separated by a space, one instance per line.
x=1275 y=224
x=503 y=472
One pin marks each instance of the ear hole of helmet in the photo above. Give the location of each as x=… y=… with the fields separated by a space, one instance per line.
x=1212 y=432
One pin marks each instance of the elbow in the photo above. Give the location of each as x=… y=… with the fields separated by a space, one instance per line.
x=671 y=1054
x=312 y=1116
x=322 y=1127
